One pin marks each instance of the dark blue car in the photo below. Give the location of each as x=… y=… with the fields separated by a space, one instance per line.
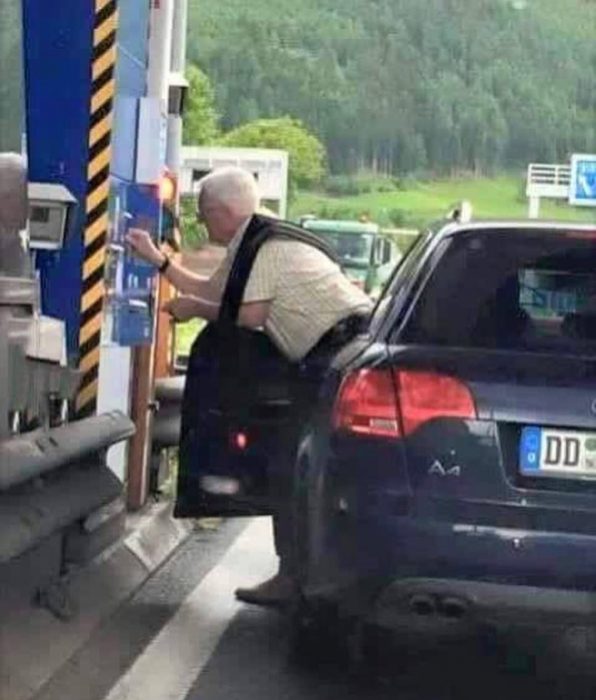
x=449 y=475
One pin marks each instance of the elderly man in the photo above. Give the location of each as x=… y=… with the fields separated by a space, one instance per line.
x=295 y=293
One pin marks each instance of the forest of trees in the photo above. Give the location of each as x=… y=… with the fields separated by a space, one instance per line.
x=395 y=86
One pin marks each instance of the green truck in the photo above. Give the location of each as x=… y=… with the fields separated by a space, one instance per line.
x=366 y=255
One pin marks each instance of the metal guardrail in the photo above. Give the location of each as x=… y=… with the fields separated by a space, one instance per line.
x=53 y=476
x=30 y=514
x=27 y=456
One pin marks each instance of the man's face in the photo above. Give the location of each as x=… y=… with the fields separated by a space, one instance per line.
x=218 y=220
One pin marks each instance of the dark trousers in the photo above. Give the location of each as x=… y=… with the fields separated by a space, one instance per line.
x=314 y=369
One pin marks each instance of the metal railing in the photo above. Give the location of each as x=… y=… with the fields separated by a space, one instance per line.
x=549 y=174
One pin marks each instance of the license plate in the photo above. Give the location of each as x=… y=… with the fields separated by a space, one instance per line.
x=562 y=453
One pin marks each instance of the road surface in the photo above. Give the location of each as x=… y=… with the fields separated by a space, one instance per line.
x=184 y=637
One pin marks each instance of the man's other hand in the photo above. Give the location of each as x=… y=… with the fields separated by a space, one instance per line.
x=182 y=308
x=143 y=245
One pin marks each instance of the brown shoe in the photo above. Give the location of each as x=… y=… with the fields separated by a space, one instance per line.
x=276 y=592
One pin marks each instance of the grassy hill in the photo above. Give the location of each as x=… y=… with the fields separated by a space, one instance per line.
x=419 y=203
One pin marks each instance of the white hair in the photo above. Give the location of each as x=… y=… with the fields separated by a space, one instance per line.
x=232 y=186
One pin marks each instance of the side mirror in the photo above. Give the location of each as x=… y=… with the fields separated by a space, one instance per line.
x=378 y=252
x=383 y=252
x=387 y=252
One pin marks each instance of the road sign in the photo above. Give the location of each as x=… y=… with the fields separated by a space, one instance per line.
x=582 y=191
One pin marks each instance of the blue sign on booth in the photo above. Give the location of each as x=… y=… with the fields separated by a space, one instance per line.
x=582 y=191
x=131 y=282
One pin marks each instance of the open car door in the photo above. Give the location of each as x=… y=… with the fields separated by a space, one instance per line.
x=236 y=412
x=238 y=402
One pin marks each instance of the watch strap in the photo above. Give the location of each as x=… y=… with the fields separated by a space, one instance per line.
x=165 y=264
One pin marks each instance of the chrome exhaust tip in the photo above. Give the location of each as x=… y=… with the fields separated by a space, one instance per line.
x=453 y=608
x=423 y=605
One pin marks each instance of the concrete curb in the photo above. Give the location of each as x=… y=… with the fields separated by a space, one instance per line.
x=34 y=644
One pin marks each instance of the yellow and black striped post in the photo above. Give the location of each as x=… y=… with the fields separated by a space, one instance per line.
x=98 y=189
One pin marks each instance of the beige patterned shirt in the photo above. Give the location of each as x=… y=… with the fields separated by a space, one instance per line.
x=308 y=292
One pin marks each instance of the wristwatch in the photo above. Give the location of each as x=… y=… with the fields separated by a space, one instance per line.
x=165 y=264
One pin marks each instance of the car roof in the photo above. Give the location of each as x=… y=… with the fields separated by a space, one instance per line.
x=340 y=226
x=451 y=228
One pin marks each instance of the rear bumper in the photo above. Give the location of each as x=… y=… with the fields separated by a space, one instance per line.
x=418 y=571
x=449 y=604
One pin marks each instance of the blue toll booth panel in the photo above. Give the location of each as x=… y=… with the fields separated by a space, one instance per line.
x=131 y=283
x=58 y=51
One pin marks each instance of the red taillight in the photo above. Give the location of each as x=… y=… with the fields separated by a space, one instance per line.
x=581 y=235
x=385 y=403
x=424 y=396
x=367 y=404
x=238 y=441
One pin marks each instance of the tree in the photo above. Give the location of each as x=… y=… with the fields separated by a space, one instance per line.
x=200 y=120
x=194 y=234
x=307 y=155
x=398 y=86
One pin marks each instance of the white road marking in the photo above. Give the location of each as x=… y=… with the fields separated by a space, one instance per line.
x=169 y=666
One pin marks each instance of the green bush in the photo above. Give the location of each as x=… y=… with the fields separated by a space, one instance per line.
x=334 y=213
x=398 y=217
x=342 y=186
x=194 y=235
x=406 y=183
x=522 y=197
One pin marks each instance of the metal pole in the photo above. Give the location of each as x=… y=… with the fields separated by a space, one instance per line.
x=174 y=149
x=166 y=333
x=158 y=77
x=178 y=65
x=160 y=49
x=179 y=36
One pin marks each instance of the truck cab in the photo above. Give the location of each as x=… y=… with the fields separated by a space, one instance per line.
x=366 y=255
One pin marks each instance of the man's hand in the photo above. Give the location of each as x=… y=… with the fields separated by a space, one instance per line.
x=143 y=245
x=182 y=308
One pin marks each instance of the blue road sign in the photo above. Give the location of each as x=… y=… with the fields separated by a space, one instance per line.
x=582 y=191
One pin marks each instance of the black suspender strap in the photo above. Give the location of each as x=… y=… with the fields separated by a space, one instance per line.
x=260 y=230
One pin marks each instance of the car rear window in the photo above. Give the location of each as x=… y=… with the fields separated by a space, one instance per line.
x=511 y=289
